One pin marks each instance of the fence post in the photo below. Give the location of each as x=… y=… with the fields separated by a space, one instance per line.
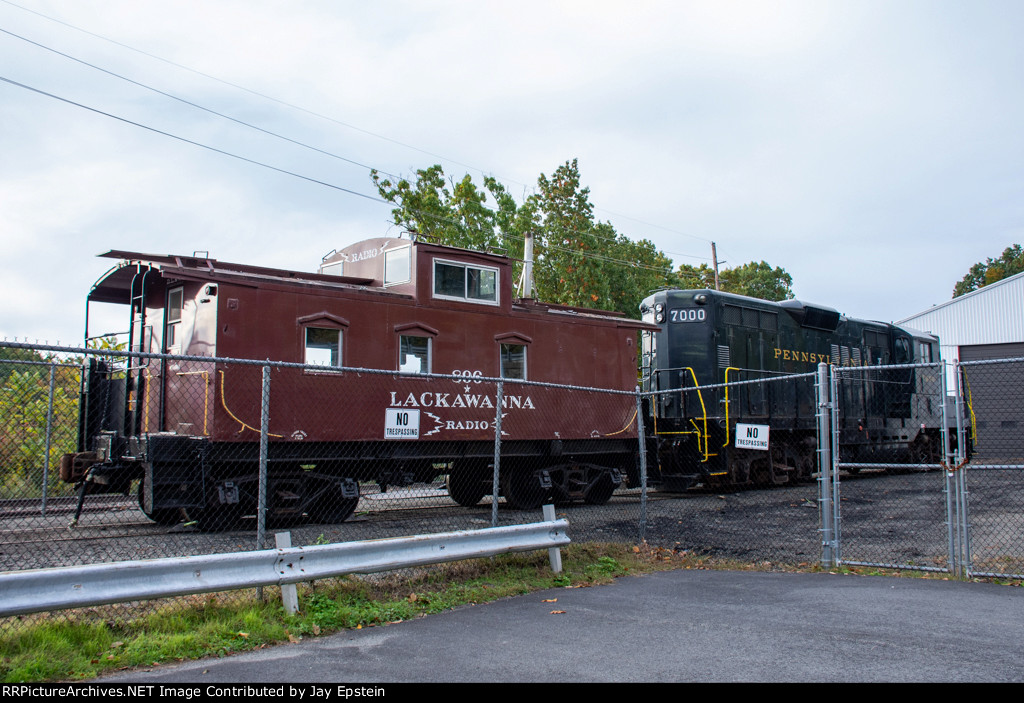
x=953 y=545
x=837 y=506
x=49 y=434
x=497 y=455
x=960 y=477
x=642 y=457
x=825 y=465
x=261 y=509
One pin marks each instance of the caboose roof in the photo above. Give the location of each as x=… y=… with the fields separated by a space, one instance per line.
x=115 y=285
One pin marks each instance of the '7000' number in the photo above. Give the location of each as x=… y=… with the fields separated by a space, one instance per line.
x=687 y=315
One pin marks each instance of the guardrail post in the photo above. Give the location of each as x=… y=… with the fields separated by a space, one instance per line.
x=497 y=454
x=289 y=594
x=554 y=553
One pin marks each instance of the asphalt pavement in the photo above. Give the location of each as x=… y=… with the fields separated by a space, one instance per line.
x=675 y=626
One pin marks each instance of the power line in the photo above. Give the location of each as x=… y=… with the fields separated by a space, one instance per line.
x=250 y=91
x=591 y=255
x=190 y=141
x=311 y=113
x=194 y=104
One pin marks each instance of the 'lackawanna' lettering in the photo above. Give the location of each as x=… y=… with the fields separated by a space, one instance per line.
x=794 y=355
x=459 y=400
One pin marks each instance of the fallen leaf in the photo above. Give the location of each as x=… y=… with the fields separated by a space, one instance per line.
x=243 y=634
x=412 y=598
x=549 y=600
x=316 y=629
x=293 y=639
x=557 y=612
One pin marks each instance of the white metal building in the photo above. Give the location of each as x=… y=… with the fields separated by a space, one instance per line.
x=982 y=325
x=987 y=323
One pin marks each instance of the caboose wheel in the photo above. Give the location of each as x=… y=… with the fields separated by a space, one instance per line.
x=522 y=490
x=216 y=518
x=161 y=516
x=601 y=491
x=466 y=490
x=333 y=507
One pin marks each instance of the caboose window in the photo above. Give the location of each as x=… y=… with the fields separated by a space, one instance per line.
x=455 y=281
x=175 y=301
x=323 y=346
x=396 y=266
x=414 y=355
x=513 y=361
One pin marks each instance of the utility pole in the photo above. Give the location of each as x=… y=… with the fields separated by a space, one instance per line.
x=714 y=258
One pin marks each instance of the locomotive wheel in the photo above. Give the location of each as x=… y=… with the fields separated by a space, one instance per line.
x=466 y=490
x=161 y=516
x=332 y=507
x=601 y=492
x=522 y=491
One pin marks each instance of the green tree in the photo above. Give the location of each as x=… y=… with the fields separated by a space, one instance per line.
x=577 y=260
x=442 y=209
x=756 y=279
x=991 y=270
x=24 y=407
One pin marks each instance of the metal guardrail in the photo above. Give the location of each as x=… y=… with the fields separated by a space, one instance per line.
x=100 y=584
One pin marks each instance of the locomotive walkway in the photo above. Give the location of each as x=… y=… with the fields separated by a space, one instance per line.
x=670 y=626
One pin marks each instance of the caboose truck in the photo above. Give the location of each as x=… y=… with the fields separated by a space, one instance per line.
x=710 y=338
x=185 y=430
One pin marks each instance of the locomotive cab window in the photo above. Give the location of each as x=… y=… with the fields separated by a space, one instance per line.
x=323 y=346
x=414 y=355
x=513 y=361
x=458 y=281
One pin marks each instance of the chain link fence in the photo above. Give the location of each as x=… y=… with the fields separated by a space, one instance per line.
x=742 y=457
x=894 y=433
x=174 y=456
x=992 y=483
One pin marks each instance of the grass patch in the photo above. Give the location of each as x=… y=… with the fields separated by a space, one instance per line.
x=83 y=644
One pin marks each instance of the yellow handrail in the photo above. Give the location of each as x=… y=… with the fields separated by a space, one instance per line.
x=727 y=370
x=970 y=409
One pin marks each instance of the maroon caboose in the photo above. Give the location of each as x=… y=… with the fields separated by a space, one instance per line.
x=399 y=311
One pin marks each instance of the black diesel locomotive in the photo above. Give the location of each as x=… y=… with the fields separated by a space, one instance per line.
x=710 y=338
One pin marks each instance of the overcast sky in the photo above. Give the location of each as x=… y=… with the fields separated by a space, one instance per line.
x=875 y=150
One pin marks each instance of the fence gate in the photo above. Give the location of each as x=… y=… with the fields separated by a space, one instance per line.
x=895 y=496
x=993 y=417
